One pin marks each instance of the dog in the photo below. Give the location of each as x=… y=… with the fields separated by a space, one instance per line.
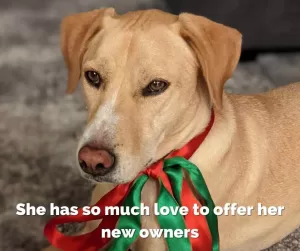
x=150 y=81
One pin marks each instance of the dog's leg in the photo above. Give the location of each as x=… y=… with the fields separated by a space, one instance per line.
x=149 y=197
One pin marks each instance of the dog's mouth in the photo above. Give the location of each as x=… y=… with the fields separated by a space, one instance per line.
x=113 y=174
x=100 y=178
x=149 y=162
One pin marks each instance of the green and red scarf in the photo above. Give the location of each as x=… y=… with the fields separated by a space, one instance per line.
x=174 y=192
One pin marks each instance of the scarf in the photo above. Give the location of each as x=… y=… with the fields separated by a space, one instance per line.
x=174 y=192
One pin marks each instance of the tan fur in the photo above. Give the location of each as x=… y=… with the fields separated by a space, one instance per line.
x=252 y=153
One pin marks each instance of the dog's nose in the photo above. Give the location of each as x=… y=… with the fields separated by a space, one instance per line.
x=95 y=161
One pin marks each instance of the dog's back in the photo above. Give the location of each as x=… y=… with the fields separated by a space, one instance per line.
x=268 y=152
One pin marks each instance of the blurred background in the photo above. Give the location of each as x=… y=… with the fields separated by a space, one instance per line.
x=40 y=126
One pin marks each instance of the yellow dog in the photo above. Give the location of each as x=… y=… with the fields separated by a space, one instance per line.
x=150 y=80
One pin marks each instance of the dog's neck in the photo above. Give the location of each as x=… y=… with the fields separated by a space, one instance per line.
x=211 y=154
x=191 y=126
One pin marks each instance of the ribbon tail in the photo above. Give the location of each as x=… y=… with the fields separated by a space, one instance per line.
x=202 y=189
x=130 y=222
x=172 y=221
x=175 y=176
x=185 y=197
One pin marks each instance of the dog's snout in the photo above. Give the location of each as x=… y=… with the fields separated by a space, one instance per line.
x=95 y=161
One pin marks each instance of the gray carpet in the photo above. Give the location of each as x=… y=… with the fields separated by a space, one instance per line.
x=40 y=126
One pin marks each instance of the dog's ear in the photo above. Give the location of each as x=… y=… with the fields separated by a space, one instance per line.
x=217 y=49
x=76 y=32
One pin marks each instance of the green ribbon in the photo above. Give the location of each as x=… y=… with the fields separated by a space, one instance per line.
x=170 y=165
x=173 y=167
x=130 y=221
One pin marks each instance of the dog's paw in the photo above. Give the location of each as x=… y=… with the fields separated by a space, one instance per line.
x=71 y=228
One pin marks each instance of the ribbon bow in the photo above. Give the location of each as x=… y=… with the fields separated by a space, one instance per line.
x=174 y=192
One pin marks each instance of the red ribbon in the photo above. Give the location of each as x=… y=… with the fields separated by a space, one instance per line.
x=93 y=241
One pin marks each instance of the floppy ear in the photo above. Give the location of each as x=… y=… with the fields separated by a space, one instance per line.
x=76 y=32
x=217 y=48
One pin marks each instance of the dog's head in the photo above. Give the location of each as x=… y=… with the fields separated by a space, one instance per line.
x=149 y=79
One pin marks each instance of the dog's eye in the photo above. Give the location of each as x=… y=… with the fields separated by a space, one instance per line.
x=93 y=78
x=155 y=87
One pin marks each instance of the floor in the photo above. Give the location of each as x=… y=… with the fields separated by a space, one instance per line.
x=40 y=125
